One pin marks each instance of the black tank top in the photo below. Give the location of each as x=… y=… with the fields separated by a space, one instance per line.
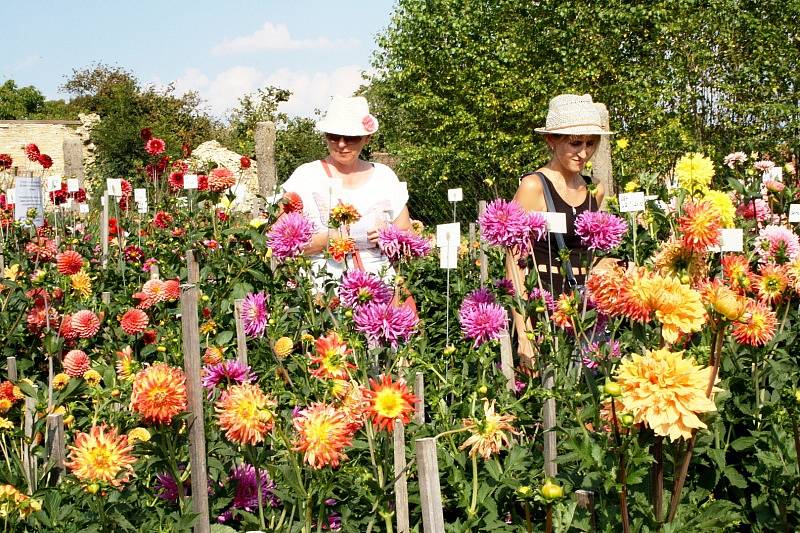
x=579 y=254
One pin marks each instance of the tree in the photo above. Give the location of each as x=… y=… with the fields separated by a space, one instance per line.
x=19 y=103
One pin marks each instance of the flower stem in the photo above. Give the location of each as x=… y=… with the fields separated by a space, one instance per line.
x=623 y=494
x=474 y=505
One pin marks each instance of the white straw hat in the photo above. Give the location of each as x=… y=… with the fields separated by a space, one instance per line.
x=572 y=114
x=348 y=116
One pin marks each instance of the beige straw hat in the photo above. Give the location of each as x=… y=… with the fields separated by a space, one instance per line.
x=572 y=114
x=348 y=115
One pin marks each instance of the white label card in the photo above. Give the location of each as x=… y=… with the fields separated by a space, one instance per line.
x=140 y=195
x=455 y=195
x=448 y=256
x=190 y=181
x=141 y=207
x=53 y=183
x=731 y=240
x=11 y=196
x=68 y=203
x=114 y=186
x=775 y=173
x=103 y=199
x=794 y=212
x=73 y=185
x=556 y=222
x=630 y=202
x=84 y=208
x=28 y=195
x=448 y=234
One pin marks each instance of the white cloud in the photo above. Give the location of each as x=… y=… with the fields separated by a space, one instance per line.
x=310 y=90
x=276 y=37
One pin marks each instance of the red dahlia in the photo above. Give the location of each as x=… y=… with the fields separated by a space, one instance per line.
x=69 y=262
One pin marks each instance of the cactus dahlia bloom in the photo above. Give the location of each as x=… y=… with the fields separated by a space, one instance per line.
x=665 y=391
x=389 y=400
x=700 y=226
x=489 y=435
x=244 y=413
x=101 y=456
x=322 y=433
x=159 y=393
x=757 y=325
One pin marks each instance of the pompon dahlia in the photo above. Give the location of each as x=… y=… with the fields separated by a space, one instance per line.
x=358 y=287
x=389 y=400
x=159 y=393
x=332 y=358
x=323 y=432
x=289 y=236
x=172 y=290
x=507 y=224
x=101 y=456
x=76 y=363
x=482 y=322
x=699 y=226
x=694 y=172
x=255 y=314
x=229 y=372
x=777 y=244
x=69 y=262
x=220 y=179
x=65 y=330
x=678 y=307
x=665 y=391
x=245 y=413
x=134 y=321
x=155 y=290
x=600 y=231
x=85 y=324
x=397 y=244
x=292 y=203
x=757 y=325
x=771 y=284
x=490 y=435
x=385 y=324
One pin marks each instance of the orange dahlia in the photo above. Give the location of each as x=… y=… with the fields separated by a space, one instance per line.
x=124 y=364
x=159 y=393
x=721 y=299
x=736 y=270
x=489 y=435
x=339 y=248
x=155 y=290
x=76 y=363
x=353 y=402
x=12 y=499
x=700 y=225
x=69 y=262
x=213 y=355
x=220 y=179
x=604 y=289
x=757 y=325
x=677 y=306
x=332 y=355
x=101 y=456
x=675 y=259
x=85 y=324
x=566 y=309
x=172 y=289
x=793 y=271
x=65 y=330
x=134 y=321
x=245 y=413
x=292 y=203
x=10 y=392
x=388 y=401
x=322 y=433
x=771 y=284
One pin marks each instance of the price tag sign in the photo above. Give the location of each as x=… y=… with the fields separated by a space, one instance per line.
x=84 y=208
x=140 y=195
x=448 y=234
x=11 y=196
x=73 y=185
x=141 y=207
x=731 y=240
x=53 y=183
x=448 y=256
x=794 y=212
x=556 y=222
x=114 y=186
x=630 y=202
x=455 y=195
x=190 y=181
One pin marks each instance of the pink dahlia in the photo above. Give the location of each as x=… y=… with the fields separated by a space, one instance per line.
x=289 y=236
x=69 y=262
x=134 y=321
x=172 y=289
x=600 y=231
x=507 y=224
x=155 y=290
x=41 y=249
x=736 y=158
x=763 y=165
x=482 y=322
x=230 y=372
x=85 y=324
x=358 y=287
x=777 y=244
x=76 y=363
x=255 y=314
x=477 y=297
x=397 y=244
x=757 y=208
x=544 y=297
x=595 y=352
x=384 y=323
x=220 y=179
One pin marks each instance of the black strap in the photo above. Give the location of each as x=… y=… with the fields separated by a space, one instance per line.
x=548 y=199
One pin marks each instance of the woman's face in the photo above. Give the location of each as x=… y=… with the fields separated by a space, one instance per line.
x=344 y=149
x=571 y=152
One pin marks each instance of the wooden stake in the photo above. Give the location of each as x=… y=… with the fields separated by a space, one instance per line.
x=585 y=499
x=549 y=425
x=430 y=491
x=482 y=254
x=105 y=297
x=28 y=459
x=154 y=272
x=241 y=338
x=419 y=392
x=194 y=391
x=56 y=445
x=507 y=360
x=400 y=483
x=104 y=231
x=11 y=368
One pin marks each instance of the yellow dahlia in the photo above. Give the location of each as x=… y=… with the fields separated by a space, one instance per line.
x=12 y=499
x=81 y=283
x=159 y=393
x=722 y=300
x=283 y=347
x=699 y=226
x=757 y=325
x=675 y=259
x=245 y=413
x=138 y=434
x=489 y=435
x=332 y=355
x=5 y=423
x=694 y=172
x=665 y=391
x=101 y=456
x=92 y=377
x=60 y=380
x=322 y=433
x=678 y=307
x=771 y=285
x=124 y=364
x=389 y=400
x=724 y=205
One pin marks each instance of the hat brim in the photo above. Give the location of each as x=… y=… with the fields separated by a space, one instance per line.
x=576 y=130
x=352 y=130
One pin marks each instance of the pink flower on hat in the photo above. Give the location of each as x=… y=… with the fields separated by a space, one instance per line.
x=369 y=123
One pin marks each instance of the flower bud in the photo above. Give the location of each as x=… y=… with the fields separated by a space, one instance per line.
x=551 y=491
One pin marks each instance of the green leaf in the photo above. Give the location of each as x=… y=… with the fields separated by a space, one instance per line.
x=735 y=477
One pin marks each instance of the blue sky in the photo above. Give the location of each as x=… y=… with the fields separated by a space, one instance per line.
x=222 y=49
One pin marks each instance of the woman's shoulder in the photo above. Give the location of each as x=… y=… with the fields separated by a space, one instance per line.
x=384 y=172
x=530 y=193
x=531 y=182
x=303 y=176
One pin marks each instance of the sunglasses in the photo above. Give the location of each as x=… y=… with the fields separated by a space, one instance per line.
x=348 y=139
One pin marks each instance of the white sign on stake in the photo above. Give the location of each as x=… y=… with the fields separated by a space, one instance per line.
x=114 y=186
x=448 y=256
x=794 y=212
x=731 y=240
x=556 y=222
x=140 y=195
x=11 y=196
x=190 y=181
x=84 y=208
x=630 y=202
x=455 y=195
x=73 y=185
x=53 y=183
x=141 y=207
x=28 y=195
x=448 y=233
x=774 y=173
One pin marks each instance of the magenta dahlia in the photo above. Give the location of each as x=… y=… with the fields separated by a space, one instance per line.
x=507 y=224
x=600 y=231
x=482 y=321
x=397 y=244
x=385 y=324
x=289 y=236
x=358 y=287
x=255 y=314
